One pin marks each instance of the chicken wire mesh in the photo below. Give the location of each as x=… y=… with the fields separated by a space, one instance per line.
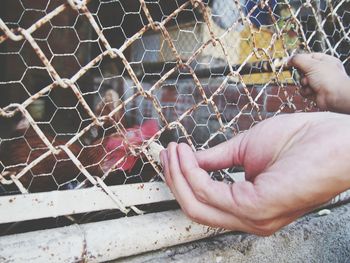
x=87 y=86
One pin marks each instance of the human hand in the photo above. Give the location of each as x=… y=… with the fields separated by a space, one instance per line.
x=325 y=81
x=293 y=164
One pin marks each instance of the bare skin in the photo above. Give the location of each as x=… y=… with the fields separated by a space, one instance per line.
x=301 y=163
x=293 y=163
x=325 y=81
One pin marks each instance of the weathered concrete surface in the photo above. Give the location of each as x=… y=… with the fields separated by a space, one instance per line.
x=313 y=238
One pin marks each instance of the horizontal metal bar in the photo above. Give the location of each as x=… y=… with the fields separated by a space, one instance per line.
x=102 y=241
x=58 y=203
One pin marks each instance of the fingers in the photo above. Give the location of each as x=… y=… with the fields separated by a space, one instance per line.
x=224 y=155
x=217 y=194
x=321 y=56
x=325 y=57
x=217 y=204
x=196 y=210
x=304 y=81
x=239 y=199
x=307 y=92
x=302 y=61
x=305 y=61
x=164 y=159
x=330 y=60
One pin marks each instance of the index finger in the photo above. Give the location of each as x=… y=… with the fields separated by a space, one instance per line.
x=302 y=61
x=194 y=208
x=214 y=193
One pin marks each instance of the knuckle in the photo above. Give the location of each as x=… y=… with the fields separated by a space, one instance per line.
x=201 y=195
x=201 y=189
x=293 y=60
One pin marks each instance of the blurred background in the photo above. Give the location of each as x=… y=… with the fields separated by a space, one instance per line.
x=181 y=52
x=255 y=38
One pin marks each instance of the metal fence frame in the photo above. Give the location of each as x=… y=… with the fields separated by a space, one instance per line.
x=88 y=241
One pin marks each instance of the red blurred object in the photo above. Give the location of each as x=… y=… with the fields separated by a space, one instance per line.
x=56 y=170
x=108 y=151
x=98 y=157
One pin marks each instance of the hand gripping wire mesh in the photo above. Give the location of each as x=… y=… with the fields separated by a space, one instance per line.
x=87 y=86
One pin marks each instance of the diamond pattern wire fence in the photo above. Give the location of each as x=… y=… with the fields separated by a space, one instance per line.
x=87 y=86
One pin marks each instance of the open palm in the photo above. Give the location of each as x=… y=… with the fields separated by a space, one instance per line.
x=293 y=164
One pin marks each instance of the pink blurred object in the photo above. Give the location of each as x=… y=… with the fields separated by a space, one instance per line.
x=117 y=147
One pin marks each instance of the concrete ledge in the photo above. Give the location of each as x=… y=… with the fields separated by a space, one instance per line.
x=312 y=238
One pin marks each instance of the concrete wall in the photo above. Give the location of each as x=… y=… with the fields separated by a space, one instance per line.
x=312 y=238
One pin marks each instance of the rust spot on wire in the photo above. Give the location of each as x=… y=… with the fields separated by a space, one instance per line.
x=182 y=65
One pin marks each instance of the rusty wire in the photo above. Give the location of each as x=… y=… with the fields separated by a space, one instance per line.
x=275 y=64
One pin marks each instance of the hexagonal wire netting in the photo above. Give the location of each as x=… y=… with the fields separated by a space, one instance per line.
x=87 y=86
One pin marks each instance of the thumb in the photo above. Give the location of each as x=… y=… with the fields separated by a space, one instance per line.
x=238 y=198
x=224 y=155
